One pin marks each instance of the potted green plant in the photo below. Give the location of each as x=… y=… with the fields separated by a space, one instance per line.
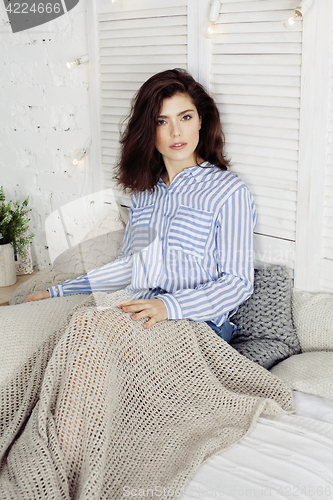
x=14 y=235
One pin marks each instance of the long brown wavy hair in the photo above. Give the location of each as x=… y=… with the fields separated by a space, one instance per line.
x=140 y=163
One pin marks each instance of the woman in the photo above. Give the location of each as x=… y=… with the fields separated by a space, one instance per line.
x=188 y=246
x=124 y=410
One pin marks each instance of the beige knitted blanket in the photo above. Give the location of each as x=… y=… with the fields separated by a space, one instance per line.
x=107 y=409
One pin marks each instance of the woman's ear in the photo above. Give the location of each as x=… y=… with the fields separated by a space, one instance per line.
x=200 y=120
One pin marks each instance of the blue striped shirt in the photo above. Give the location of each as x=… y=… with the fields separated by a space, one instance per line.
x=189 y=244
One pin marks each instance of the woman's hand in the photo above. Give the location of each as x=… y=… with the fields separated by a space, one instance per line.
x=38 y=296
x=155 y=309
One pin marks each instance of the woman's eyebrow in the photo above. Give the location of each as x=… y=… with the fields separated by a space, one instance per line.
x=179 y=114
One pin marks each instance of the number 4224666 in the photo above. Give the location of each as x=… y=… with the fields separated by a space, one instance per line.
x=36 y=8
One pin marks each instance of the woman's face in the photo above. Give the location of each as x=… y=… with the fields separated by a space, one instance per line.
x=177 y=131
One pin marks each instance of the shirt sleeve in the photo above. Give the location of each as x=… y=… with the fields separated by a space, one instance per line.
x=109 y=278
x=212 y=301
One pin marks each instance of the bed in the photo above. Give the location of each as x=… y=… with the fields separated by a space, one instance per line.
x=283 y=457
x=286 y=331
x=286 y=456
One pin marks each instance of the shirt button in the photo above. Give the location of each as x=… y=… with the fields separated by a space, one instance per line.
x=164 y=215
x=161 y=238
x=182 y=177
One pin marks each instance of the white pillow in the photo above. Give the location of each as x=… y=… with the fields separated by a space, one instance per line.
x=123 y=212
x=100 y=246
x=310 y=372
x=313 y=319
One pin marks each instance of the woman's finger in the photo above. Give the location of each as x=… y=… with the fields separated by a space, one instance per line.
x=155 y=309
x=38 y=296
x=130 y=303
x=149 y=323
x=142 y=314
x=134 y=308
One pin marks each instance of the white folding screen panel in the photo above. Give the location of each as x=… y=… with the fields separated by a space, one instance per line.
x=134 y=41
x=253 y=71
x=326 y=274
x=255 y=78
x=311 y=269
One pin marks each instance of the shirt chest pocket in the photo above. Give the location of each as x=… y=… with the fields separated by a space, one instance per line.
x=142 y=233
x=189 y=231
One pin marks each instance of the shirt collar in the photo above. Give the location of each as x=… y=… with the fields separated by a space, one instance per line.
x=197 y=172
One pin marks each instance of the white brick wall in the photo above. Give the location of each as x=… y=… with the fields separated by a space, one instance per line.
x=44 y=116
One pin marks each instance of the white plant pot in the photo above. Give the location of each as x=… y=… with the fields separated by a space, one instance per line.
x=7 y=265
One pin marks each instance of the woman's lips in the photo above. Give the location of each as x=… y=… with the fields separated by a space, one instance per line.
x=178 y=145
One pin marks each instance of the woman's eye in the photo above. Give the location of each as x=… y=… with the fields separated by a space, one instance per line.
x=160 y=122
x=187 y=117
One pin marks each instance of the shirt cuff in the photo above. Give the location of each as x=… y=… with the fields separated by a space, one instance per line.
x=56 y=291
x=172 y=305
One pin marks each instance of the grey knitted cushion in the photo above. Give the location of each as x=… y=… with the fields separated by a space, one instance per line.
x=265 y=332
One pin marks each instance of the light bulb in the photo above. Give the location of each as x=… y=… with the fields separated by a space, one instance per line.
x=82 y=153
x=78 y=61
x=70 y=64
x=78 y=155
x=292 y=23
x=211 y=30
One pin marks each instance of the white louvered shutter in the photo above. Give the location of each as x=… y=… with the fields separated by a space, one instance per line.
x=135 y=40
x=255 y=79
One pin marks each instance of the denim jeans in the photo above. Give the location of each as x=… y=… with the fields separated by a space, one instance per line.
x=225 y=331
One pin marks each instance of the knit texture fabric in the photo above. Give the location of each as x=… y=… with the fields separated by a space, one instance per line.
x=25 y=327
x=100 y=246
x=313 y=319
x=265 y=332
x=310 y=372
x=106 y=406
x=41 y=281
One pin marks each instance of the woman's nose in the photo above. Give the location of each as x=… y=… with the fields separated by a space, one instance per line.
x=175 y=131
